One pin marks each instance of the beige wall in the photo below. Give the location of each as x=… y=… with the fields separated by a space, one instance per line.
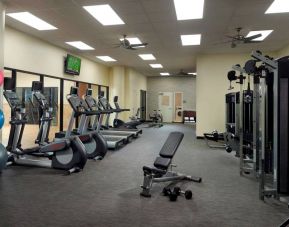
x=283 y=52
x=117 y=84
x=31 y=54
x=126 y=83
x=187 y=85
x=212 y=85
x=134 y=82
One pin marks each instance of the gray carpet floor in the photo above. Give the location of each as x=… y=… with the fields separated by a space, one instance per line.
x=106 y=193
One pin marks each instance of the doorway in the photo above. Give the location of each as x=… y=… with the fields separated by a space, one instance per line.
x=165 y=102
x=143 y=104
x=178 y=107
x=170 y=105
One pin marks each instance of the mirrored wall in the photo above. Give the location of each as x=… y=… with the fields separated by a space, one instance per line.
x=55 y=90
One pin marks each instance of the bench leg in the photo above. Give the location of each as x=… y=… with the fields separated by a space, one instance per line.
x=147 y=185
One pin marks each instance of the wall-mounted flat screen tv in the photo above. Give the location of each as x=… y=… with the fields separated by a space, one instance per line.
x=72 y=65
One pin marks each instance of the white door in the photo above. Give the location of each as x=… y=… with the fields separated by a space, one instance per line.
x=166 y=105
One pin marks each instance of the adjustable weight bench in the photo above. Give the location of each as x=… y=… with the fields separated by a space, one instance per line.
x=162 y=170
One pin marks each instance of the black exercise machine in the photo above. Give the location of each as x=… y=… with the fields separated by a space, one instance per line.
x=217 y=138
x=95 y=145
x=117 y=123
x=162 y=170
x=67 y=154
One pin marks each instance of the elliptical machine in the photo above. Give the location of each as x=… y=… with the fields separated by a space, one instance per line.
x=118 y=123
x=67 y=154
x=95 y=145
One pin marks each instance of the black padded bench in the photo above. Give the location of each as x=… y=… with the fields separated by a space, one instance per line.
x=161 y=171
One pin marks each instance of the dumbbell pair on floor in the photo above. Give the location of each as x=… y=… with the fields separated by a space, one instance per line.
x=173 y=195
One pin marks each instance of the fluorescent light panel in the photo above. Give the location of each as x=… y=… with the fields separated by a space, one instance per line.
x=147 y=57
x=133 y=40
x=156 y=66
x=192 y=74
x=80 y=45
x=164 y=74
x=106 y=58
x=32 y=21
x=264 y=34
x=189 y=9
x=191 y=40
x=104 y=14
x=278 y=6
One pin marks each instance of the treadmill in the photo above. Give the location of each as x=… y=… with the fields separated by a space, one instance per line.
x=97 y=122
x=106 y=106
x=78 y=105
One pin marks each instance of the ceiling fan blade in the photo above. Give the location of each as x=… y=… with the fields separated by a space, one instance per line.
x=139 y=45
x=131 y=48
x=230 y=37
x=233 y=37
x=251 y=41
x=253 y=37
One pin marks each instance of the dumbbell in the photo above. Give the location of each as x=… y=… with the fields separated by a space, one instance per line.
x=188 y=193
x=168 y=192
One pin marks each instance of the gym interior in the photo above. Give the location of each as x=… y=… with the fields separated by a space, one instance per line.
x=144 y=113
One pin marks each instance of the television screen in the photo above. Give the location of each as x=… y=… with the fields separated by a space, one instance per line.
x=72 y=65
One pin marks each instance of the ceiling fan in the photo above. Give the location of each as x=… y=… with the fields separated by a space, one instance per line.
x=125 y=43
x=183 y=73
x=241 y=39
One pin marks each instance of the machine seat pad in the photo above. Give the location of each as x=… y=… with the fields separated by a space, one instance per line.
x=171 y=145
x=162 y=163
x=148 y=171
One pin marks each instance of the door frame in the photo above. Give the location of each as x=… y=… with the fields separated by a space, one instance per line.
x=143 y=114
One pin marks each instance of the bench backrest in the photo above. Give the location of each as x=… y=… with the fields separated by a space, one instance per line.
x=171 y=145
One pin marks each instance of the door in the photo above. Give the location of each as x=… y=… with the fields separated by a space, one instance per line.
x=143 y=104
x=166 y=106
x=178 y=107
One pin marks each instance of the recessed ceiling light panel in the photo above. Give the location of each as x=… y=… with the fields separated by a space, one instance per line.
x=106 y=58
x=164 y=74
x=191 y=40
x=80 y=45
x=189 y=9
x=156 y=66
x=147 y=57
x=264 y=34
x=32 y=21
x=192 y=74
x=104 y=14
x=278 y=6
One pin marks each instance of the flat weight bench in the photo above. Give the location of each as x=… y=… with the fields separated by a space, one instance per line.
x=162 y=170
